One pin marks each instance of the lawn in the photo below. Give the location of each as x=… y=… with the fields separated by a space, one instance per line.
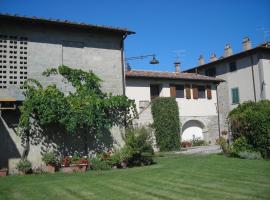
x=173 y=177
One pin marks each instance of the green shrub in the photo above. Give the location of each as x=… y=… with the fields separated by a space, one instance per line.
x=138 y=149
x=49 y=158
x=252 y=120
x=240 y=145
x=166 y=123
x=99 y=164
x=198 y=142
x=24 y=165
x=250 y=155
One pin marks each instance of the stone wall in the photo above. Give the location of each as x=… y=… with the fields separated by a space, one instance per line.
x=210 y=126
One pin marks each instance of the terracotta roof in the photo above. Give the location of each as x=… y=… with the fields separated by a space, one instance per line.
x=262 y=47
x=50 y=21
x=170 y=75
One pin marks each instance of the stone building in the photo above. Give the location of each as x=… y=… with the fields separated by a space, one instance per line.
x=28 y=46
x=246 y=75
x=194 y=93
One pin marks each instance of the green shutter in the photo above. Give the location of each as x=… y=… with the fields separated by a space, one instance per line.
x=235 y=95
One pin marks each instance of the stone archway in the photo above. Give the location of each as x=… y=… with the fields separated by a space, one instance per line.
x=193 y=129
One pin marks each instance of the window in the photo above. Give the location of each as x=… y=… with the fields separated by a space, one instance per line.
x=233 y=66
x=154 y=91
x=210 y=72
x=201 y=92
x=177 y=91
x=235 y=96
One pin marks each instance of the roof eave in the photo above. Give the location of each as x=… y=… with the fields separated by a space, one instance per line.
x=66 y=23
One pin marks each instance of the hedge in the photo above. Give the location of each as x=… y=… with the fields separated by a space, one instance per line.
x=166 y=123
x=252 y=121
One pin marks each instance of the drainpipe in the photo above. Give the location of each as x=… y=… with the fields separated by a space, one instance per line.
x=123 y=64
x=123 y=71
x=218 y=110
x=253 y=80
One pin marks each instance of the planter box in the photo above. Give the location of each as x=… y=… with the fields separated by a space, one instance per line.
x=82 y=167
x=3 y=172
x=49 y=169
x=74 y=168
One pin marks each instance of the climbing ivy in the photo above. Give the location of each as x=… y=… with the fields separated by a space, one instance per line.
x=166 y=123
x=84 y=110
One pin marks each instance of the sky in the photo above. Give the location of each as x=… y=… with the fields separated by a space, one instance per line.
x=171 y=29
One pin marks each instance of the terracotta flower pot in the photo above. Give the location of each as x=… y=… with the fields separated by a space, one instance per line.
x=49 y=169
x=69 y=169
x=3 y=172
x=82 y=167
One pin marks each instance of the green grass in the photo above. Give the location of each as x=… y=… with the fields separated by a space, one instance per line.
x=174 y=177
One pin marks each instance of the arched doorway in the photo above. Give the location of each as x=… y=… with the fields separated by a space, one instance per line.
x=192 y=129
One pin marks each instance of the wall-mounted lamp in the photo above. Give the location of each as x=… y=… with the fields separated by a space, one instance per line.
x=154 y=61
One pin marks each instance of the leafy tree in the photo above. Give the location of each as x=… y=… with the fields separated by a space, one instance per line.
x=84 y=110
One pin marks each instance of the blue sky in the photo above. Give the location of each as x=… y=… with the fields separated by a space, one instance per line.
x=164 y=27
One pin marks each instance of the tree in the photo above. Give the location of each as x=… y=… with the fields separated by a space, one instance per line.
x=84 y=110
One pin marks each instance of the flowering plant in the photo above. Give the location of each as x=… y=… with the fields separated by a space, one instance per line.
x=185 y=144
x=66 y=161
x=82 y=161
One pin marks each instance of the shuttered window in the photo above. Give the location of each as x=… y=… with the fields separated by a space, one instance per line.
x=188 y=93
x=201 y=92
x=173 y=90
x=177 y=91
x=154 y=91
x=235 y=96
x=195 y=91
x=209 y=92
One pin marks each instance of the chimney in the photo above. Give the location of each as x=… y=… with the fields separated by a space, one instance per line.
x=177 y=66
x=228 y=50
x=201 y=60
x=213 y=57
x=246 y=43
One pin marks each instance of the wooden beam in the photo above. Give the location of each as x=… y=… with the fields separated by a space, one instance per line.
x=7 y=100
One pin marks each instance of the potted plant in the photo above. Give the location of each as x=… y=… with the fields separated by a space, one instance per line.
x=50 y=160
x=82 y=164
x=66 y=165
x=3 y=172
x=24 y=167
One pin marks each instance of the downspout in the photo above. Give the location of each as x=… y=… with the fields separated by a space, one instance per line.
x=218 y=109
x=253 y=80
x=123 y=71
x=123 y=64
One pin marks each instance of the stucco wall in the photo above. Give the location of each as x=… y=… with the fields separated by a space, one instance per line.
x=139 y=90
x=202 y=110
x=242 y=78
x=50 y=47
x=266 y=76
